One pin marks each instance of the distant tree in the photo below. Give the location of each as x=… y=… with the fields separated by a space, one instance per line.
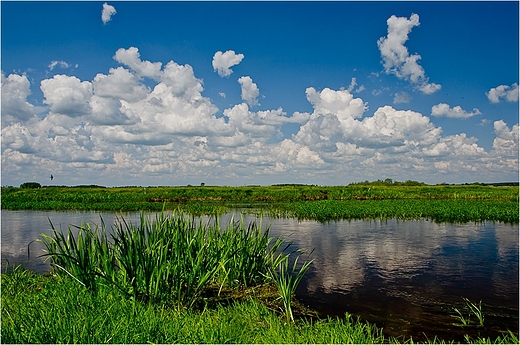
x=27 y=185
x=410 y=183
x=202 y=184
x=89 y=186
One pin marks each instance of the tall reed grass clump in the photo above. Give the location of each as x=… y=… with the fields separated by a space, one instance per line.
x=169 y=259
x=287 y=278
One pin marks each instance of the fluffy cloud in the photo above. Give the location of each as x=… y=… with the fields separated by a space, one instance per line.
x=443 y=109
x=504 y=92
x=390 y=139
x=397 y=60
x=458 y=145
x=250 y=91
x=262 y=124
x=67 y=95
x=15 y=90
x=340 y=103
x=131 y=58
x=335 y=123
x=107 y=13
x=506 y=141
x=223 y=61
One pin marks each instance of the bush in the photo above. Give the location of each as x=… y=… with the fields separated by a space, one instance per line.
x=28 y=185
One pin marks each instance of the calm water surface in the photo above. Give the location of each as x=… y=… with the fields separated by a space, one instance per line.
x=405 y=276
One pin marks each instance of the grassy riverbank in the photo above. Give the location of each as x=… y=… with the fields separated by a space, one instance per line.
x=56 y=309
x=171 y=279
x=452 y=203
x=38 y=309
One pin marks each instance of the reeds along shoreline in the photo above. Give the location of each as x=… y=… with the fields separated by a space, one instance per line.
x=169 y=259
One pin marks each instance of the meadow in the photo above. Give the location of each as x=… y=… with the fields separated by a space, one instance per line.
x=454 y=203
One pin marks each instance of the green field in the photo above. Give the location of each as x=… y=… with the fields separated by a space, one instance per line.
x=453 y=203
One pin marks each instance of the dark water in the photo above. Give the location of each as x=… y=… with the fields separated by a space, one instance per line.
x=405 y=276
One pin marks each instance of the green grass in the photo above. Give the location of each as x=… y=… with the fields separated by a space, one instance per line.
x=471 y=309
x=170 y=259
x=458 y=203
x=287 y=277
x=56 y=309
x=436 y=210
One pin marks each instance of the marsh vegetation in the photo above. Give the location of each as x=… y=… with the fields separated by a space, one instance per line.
x=452 y=203
x=37 y=309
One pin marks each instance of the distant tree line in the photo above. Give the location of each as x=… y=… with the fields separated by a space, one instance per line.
x=29 y=185
x=389 y=182
x=385 y=182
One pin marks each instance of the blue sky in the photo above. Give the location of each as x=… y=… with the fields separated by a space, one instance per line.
x=302 y=92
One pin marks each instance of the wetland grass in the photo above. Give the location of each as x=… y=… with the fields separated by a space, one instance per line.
x=436 y=210
x=472 y=309
x=55 y=309
x=287 y=277
x=169 y=259
x=459 y=203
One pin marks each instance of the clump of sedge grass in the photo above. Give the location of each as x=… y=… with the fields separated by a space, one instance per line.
x=166 y=259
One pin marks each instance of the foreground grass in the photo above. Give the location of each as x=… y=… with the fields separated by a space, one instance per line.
x=38 y=309
x=454 y=203
x=54 y=309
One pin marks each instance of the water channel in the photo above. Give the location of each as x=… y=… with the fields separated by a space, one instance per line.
x=405 y=276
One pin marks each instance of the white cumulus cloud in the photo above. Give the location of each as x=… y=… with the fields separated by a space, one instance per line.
x=250 y=90
x=396 y=58
x=341 y=103
x=506 y=140
x=131 y=58
x=443 y=109
x=223 y=61
x=503 y=92
x=107 y=13
x=15 y=90
x=67 y=95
